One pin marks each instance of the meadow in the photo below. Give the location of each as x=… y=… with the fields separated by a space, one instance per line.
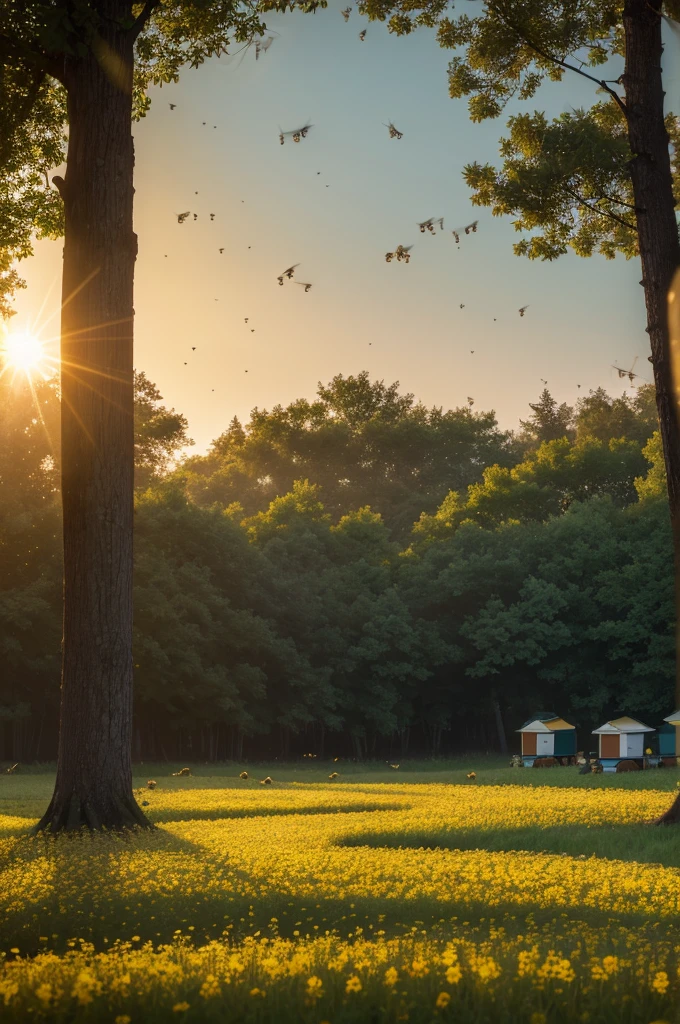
x=384 y=895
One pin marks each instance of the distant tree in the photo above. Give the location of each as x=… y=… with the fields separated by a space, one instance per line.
x=361 y=442
x=598 y=415
x=160 y=433
x=548 y=422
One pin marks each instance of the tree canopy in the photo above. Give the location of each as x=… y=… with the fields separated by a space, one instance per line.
x=275 y=622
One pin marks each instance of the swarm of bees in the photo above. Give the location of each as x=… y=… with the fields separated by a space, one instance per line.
x=471 y=775
x=429 y=225
x=394 y=132
x=266 y=782
x=182 y=771
x=402 y=252
x=287 y=273
x=243 y=775
x=151 y=783
x=334 y=775
x=296 y=134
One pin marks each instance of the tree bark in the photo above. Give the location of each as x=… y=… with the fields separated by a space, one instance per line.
x=500 y=729
x=650 y=170
x=94 y=771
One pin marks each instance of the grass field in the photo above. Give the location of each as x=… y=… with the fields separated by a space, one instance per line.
x=535 y=896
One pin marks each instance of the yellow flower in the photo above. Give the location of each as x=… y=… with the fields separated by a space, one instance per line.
x=391 y=976
x=443 y=1000
x=44 y=992
x=122 y=1018
x=86 y=988
x=180 y=1007
x=454 y=974
x=258 y=992
x=210 y=987
x=660 y=982
x=418 y=969
x=314 y=988
x=353 y=984
x=537 y=1018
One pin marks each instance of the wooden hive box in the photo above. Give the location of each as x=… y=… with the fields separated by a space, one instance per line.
x=621 y=739
x=668 y=745
x=545 y=734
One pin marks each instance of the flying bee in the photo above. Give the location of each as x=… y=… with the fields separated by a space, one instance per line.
x=262 y=45
x=346 y=13
x=522 y=310
x=181 y=217
x=627 y=373
x=402 y=252
x=362 y=34
x=296 y=135
x=394 y=132
x=429 y=225
x=466 y=229
x=288 y=273
x=306 y=288
x=212 y=216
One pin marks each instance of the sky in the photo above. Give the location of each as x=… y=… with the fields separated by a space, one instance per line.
x=336 y=203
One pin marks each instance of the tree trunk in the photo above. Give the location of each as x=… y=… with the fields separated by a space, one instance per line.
x=650 y=170
x=500 y=729
x=94 y=770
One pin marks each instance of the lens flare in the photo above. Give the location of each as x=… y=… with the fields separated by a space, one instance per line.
x=22 y=351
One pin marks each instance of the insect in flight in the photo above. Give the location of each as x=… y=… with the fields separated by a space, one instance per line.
x=362 y=34
x=303 y=285
x=346 y=13
x=394 y=132
x=181 y=217
x=627 y=373
x=287 y=273
x=429 y=225
x=297 y=134
x=522 y=310
x=402 y=252
x=262 y=45
x=466 y=229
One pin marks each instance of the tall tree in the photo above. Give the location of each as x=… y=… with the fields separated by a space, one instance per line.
x=94 y=59
x=601 y=179
x=548 y=421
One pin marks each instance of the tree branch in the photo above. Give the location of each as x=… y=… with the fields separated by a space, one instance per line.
x=48 y=63
x=557 y=60
x=143 y=19
x=601 y=213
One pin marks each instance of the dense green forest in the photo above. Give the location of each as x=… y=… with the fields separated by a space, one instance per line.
x=358 y=575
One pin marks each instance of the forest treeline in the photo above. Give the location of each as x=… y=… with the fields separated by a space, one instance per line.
x=358 y=575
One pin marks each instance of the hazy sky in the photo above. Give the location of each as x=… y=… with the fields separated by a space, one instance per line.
x=272 y=208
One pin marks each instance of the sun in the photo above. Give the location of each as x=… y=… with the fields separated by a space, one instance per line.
x=23 y=351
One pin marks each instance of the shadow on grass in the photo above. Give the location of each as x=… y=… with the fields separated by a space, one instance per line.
x=644 y=843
